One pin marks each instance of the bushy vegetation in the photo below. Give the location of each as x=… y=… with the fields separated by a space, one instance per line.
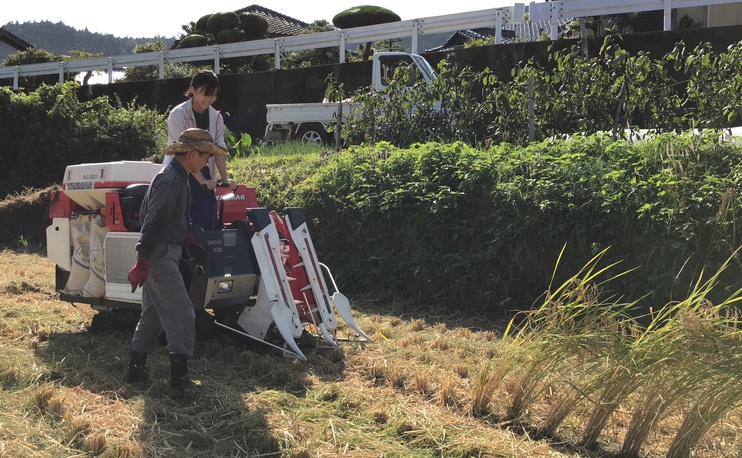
x=223 y=27
x=152 y=72
x=51 y=128
x=363 y=15
x=35 y=56
x=359 y=16
x=458 y=227
x=611 y=92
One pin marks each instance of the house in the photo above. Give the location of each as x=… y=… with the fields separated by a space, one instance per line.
x=279 y=25
x=11 y=44
x=511 y=33
x=461 y=37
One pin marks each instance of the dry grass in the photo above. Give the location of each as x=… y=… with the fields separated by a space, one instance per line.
x=409 y=394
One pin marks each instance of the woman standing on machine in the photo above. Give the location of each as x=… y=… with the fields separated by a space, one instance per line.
x=198 y=112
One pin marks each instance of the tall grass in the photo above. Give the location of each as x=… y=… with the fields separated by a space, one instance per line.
x=680 y=346
x=577 y=349
x=569 y=332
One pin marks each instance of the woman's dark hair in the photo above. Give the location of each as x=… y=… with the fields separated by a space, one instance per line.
x=206 y=79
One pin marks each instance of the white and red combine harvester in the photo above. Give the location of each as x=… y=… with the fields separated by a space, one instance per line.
x=257 y=274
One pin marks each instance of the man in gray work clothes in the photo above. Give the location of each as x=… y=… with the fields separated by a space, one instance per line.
x=165 y=218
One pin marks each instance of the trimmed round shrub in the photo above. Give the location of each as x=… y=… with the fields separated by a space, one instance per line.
x=222 y=21
x=193 y=41
x=201 y=23
x=231 y=36
x=255 y=26
x=359 y=16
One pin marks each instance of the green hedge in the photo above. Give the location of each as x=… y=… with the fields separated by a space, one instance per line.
x=455 y=226
x=47 y=130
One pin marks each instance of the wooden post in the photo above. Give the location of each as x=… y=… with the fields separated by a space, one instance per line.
x=531 y=121
x=583 y=39
x=338 y=126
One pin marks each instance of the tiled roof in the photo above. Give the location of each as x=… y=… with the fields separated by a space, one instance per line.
x=531 y=31
x=279 y=25
x=459 y=38
x=511 y=33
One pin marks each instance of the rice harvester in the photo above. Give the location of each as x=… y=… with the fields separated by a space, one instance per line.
x=257 y=274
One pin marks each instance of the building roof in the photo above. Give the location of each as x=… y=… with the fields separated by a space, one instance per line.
x=279 y=25
x=511 y=33
x=531 y=31
x=13 y=40
x=460 y=37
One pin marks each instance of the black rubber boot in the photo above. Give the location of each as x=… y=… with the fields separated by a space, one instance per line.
x=180 y=383
x=137 y=375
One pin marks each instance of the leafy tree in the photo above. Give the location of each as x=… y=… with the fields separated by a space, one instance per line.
x=230 y=36
x=646 y=21
x=35 y=56
x=228 y=27
x=255 y=26
x=193 y=41
x=360 y=16
x=78 y=55
x=713 y=93
x=363 y=15
x=478 y=42
x=221 y=21
x=312 y=57
x=201 y=24
x=152 y=72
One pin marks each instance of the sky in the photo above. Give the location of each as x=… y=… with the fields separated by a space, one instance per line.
x=150 y=18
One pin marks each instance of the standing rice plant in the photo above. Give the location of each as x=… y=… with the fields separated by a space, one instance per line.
x=570 y=321
x=490 y=379
x=573 y=334
x=681 y=351
x=716 y=345
x=629 y=370
x=674 y=373
x=655 y=398
x=667 y=365
x=712 y=405
x=635 y=363
x=608 y=331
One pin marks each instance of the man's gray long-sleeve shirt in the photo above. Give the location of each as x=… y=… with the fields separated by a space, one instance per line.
x=165 y=209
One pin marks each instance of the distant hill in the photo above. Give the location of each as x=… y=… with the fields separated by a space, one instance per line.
x=60 y=39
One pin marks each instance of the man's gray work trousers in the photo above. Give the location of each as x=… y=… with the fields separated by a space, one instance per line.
x=165 y=305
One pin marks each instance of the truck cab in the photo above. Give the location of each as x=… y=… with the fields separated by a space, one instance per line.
x=386 y=64
x=312 y=122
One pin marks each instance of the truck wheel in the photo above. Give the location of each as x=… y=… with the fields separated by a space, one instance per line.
x=312 y=133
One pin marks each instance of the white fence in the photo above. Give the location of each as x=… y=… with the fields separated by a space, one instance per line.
x=496 y=17
x=554 y=11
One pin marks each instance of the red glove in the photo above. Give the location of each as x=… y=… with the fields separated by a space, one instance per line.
x=138 y=274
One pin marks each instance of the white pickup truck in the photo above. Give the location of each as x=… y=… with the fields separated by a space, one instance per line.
x=309 y=122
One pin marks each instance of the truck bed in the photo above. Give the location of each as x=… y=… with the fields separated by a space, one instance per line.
x=303 y=112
